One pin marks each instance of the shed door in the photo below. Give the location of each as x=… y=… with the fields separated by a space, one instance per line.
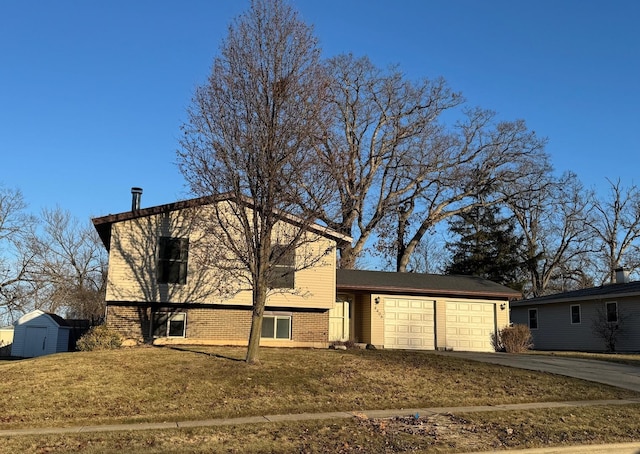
x=470 y=325
x=409 y=323
x=35 y=342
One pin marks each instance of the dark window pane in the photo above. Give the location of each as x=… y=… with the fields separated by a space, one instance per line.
x=612 y=312
x=533 y=319
x=268 y=328
x=176 y=326
x=282 y=330
x=283 y=267
x=575 y=314
x=173 y=255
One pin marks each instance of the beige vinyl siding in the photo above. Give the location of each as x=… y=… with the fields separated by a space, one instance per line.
x=133 y=276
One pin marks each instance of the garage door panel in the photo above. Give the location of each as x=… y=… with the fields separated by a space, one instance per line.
x=409 y=324
x=469 y=326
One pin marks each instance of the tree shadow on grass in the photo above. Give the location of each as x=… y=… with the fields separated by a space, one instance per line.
x=200 y=352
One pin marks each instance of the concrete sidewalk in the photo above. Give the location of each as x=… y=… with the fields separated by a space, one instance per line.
x=310 y=416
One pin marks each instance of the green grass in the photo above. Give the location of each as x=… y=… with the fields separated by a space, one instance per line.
x=164 y=384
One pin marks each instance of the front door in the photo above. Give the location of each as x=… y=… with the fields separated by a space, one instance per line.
x=339 y=321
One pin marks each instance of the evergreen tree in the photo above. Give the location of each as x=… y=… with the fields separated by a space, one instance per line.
x=487 y=247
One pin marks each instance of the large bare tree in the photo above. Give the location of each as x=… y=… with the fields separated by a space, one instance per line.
x=616 y=229
x=553 y=215
x=473 y=165
x=16 y=257
x=251 y=134
x=386 y=133
x=69 y=267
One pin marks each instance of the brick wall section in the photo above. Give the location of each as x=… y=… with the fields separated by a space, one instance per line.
x=130 y=321
x=219 y=324
x=216 y=324
x=310 y=327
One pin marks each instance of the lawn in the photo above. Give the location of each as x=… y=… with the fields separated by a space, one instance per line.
x=154 y=384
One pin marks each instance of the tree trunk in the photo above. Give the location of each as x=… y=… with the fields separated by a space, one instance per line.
x=259 y=303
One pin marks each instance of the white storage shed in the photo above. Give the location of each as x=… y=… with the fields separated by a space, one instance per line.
x=40 y=333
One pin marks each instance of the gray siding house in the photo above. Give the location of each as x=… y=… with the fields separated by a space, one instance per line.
x=564 y=321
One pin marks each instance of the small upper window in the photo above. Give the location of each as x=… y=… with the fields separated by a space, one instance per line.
x=172 y=260
x=533 y=318
x=575 y=314
x=612 y=312
x=283 y=259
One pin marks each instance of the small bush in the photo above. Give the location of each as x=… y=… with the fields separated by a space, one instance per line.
x=99 y=338
x=512 y=339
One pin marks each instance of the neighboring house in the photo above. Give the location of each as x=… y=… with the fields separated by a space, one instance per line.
x=156 y=291
x=6 y=339
x=40 y=333
x=564 y=321
x=423 y=311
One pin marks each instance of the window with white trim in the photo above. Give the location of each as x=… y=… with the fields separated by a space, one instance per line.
x=276 y=327
x=169 y=324
x=533 y=318
x=612 y=312
x=575 y=314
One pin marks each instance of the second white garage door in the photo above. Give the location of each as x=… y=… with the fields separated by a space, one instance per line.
x=409 y=323
x=470 y=326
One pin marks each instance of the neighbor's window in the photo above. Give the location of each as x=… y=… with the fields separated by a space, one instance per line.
x=172 y=260
x=533 y=318
x=276 y=327
x=575 y=314
x=612 y=312
x=284 y=267
x=167 y=324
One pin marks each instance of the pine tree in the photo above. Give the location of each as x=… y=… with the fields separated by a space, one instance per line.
x=487 y=247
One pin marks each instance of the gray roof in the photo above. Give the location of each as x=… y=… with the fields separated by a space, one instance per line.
x=420 y=284
x=608 y=291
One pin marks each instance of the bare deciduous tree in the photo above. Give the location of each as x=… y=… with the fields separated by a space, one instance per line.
x=386 y=133
x=252 y=134
x=616 y=228
x=69 y=267
x=553 y=214
x=16 y=258
x=481 y=159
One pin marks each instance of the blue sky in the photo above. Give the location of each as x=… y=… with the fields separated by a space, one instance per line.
x=92 y=93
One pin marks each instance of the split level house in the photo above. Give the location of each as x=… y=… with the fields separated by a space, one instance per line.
x=160 y=290
x=569 y=320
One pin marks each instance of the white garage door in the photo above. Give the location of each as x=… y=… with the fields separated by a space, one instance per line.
x=469 y=326
x=409 y=323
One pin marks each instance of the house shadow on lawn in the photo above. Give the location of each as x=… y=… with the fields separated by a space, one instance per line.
x=200 y=352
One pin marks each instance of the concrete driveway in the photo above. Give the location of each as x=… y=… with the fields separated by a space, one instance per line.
x=619 y=375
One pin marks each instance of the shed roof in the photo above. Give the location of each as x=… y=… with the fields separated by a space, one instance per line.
x=103 y=224
x=38 y=313
x=421 y=284
x=607 y=291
